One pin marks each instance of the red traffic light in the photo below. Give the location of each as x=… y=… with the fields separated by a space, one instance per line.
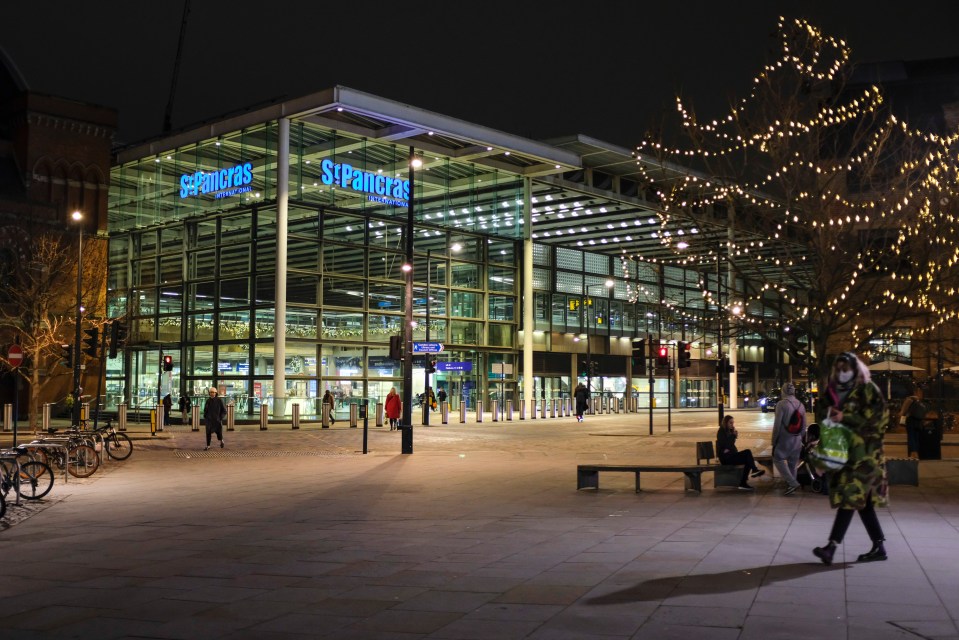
x=168 y=363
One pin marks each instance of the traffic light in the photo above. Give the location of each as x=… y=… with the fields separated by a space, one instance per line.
x=90 y=341
x=662 y=356
x=725 y=367
x=684 y=357
x=639 y=349
x=118 y=337
x=430 y=365
x=396 y=347
x=66 y=356
x=168 y=363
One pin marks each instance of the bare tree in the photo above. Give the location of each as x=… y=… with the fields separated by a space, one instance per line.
x=840 y=216
x=39 y=309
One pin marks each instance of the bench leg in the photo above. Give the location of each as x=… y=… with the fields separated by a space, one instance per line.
x=694 y=481
x=586 y=479
x=637 y=482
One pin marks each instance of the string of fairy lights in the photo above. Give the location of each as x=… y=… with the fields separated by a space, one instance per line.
x=917 y=169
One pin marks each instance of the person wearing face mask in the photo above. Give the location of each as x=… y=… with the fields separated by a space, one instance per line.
x=851 y=398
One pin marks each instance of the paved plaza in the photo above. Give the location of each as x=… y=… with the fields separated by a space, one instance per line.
x=479 y=534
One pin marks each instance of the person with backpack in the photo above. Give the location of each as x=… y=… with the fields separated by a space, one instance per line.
x=789 y=429
x=913 y=413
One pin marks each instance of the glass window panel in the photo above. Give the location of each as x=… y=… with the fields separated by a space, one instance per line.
x=201 y=264
x=471 y=247
x=200 y=327
x=385 y=234
x=569 y=282
x=387 y=297
x=340 y=325
x=201 y=363
x=234 y=325
x=265 y=256
x=463 y=332
x=465 y=275
x=235 y=292
x=565 y=318
x=437 y=301
x=502 y=251
x=148 y=243
x=344 y=260
x=341 y=362
x=437 y=330
x=265 y=222
x=235 y=258
x=171 y=268
x=542 y=279
x=265 y=289
x=202 y=296
x=144 y=301
x=172 y=239
x=344 y=228
x=542 y=256
x=501 y=307
x=168 y=329
x=596 y=263
x=541 y=311
x=342 y=292
x=232 y=360
x=383 y=326
x=501 y=278
x=145 y=271
x=235 y=228
x=265 y=325
x=171 y=300
x=569 y=259
x=302 y=289
x=303 y=255
x=466 y=305
x=303 y=222
x=203 y=232
x=301 y=324
x=119 y=248
x=500 y=335
x=385 y=264
x=118 y=280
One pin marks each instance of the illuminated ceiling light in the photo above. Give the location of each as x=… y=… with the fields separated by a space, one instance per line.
x=416 y=163
x=682 y=244
x=407 y=267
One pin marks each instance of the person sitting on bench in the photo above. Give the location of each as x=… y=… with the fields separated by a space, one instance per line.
x=728 y=454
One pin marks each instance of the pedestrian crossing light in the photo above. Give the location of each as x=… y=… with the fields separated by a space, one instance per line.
x=66 y=356
x=683 y=355
x=430 y=365
x=662 y=356
x=90 y=342
x=639 y=353
x=118 y=337
x=168 y=363
x=396 y=347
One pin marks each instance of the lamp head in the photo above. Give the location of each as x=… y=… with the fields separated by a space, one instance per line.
x=77 y=216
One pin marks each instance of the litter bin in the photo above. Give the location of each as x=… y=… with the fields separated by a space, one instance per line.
x=930 y=441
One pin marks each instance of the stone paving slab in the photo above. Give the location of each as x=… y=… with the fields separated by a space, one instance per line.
x=479 y=534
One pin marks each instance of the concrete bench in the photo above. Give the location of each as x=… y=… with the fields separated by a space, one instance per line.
x=727 y=475
x=902 y=471
x=587 y=475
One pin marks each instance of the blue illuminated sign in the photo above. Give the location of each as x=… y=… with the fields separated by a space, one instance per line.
x=219 y=184
x=379 y=188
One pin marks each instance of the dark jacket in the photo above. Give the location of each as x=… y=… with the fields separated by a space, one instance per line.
x=215 y=411
x=582 y=399
x=725 y=439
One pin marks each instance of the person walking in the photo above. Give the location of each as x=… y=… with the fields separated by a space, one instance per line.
x=581 y=395
x=167 y=409
x=185 y=406
x=728 y=454
x=393 y=407
x=914 y=412
x=788 y=436
x=328 y=401
x=853 y=399
x=213 y=415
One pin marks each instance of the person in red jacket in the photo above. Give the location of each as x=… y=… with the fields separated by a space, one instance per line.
x=393 y=406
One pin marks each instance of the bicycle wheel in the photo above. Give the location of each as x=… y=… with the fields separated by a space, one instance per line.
x=6 y=476
x=83 y=461
x=119 y=446
x=39 y=480
x=35 y=453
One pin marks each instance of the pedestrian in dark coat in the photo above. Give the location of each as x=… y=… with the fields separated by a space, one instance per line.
x=167 y=408
x=214 y=413
x=581 y=395
x=727 y=452
x=853 y=399
x=185 y=406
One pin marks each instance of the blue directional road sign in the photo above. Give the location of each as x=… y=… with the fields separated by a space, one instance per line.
x=463 y=367
x=427 y=347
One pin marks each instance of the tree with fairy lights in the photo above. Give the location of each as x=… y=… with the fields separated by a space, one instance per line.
x=841 y=225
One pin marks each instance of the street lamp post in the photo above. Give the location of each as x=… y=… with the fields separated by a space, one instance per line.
x=589 y=358
x=426 y=391
x=78 y=217
x=406 y=425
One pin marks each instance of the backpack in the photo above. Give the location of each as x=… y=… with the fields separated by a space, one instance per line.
x=794 y=426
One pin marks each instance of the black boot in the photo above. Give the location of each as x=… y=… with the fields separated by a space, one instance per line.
x=878 y=552
x=825 y=553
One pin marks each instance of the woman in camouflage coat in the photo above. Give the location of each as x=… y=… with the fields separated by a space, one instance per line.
x=854 y=400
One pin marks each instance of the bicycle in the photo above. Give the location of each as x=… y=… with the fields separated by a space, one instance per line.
x=30 y=480
x=81 y=459
x=117 y=445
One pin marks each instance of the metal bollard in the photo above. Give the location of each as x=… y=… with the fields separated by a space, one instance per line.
x=122 y=416
x=195 y=419
x=569 y=406
x=296 y=415
x=462 y=413
x=616 y=405
x=532 y=409
x=542 y=408
x=325 y=416
x=354 y=415
x=8 y=417
x=445 y=412
x=495 y=412
x=522 y=410
x=46 y=415
x=230 y=416
x=552 y=408
x=479 y=412
x=379 y=414
x=426 y=416
x=264 y=416
x=509 y=410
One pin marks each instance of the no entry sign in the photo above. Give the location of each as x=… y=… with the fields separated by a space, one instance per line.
x=15 y=355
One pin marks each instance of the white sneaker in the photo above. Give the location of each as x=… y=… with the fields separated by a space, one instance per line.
x=221 y=444
x=206 y=448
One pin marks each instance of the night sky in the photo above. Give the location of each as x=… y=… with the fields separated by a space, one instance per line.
x=537 y=69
